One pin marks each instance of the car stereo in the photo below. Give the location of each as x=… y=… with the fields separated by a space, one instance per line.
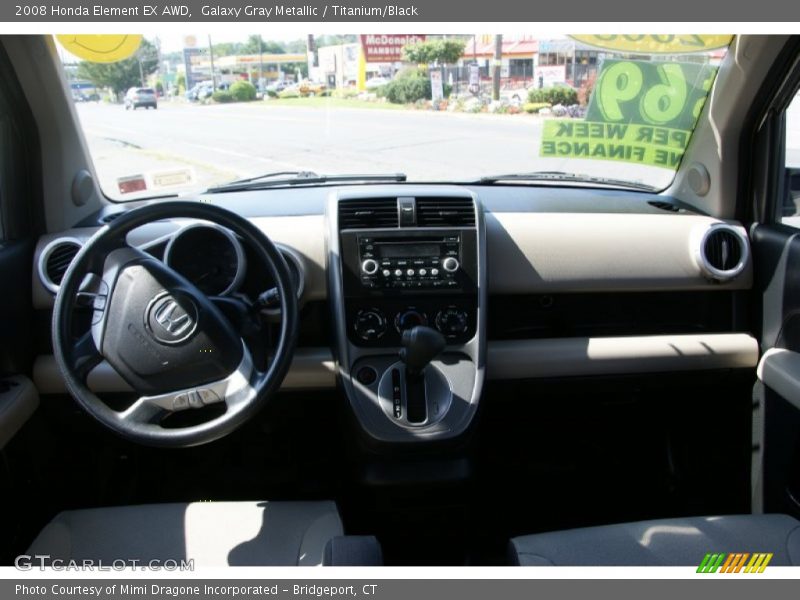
x=431 y=262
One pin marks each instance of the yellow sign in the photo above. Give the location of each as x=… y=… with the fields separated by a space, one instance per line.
x=679 y=43
x=641 y=144
x=101 y=48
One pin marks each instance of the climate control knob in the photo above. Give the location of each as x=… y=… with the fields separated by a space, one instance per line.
x=450 y=264
x=370 y=324
x=369 y=266
x=451 y=321
x=408 y=319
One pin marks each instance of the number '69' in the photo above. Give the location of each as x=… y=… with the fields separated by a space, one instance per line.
x=660 y=103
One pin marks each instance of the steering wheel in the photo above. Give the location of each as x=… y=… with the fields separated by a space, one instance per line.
x=163 y=336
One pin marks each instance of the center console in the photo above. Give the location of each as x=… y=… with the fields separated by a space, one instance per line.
x=407 y=287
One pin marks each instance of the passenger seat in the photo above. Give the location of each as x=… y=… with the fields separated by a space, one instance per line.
x=669 y=542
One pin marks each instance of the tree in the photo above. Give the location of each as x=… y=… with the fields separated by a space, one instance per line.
x=251 y=46
x=434 y=51
x=124 y=74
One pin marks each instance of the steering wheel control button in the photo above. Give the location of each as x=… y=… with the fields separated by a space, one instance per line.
x=195 y=401
x=172 y=318
x=450 y=264
x=367 y=375
x=369 y=266
x=208 y=396
x=180 y=402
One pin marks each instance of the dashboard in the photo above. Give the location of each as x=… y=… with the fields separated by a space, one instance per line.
x=520 y=281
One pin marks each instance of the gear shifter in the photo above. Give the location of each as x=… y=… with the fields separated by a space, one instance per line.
x=420 y=346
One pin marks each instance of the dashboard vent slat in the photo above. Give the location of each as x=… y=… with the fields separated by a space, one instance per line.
x=445 y=212
x=368 y=213
x=723 y=250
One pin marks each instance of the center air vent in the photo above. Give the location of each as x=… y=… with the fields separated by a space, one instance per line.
x=445 y=212
x=55 y=259
x=368 y=213
x=724 y=252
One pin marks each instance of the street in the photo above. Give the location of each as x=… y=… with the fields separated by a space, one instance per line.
x=222 y=142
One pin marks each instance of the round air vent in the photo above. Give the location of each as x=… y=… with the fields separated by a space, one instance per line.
x=723 y=252
x=54 y=260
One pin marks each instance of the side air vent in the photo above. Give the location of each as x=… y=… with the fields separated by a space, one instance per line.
x=368 y=213
x=445 y=212
x=723 y=253
x=55 y=259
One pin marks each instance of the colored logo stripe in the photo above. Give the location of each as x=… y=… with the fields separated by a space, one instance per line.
x=735 y=562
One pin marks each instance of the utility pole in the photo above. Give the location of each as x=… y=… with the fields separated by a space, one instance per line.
x=211 y=55
x=498 y=56
x=260 y=63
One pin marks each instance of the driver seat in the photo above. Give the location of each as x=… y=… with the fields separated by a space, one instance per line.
x=209 y=533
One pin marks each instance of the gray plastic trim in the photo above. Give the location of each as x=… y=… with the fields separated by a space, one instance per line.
x=779 y=369
x=465 y=364
x=17 y=404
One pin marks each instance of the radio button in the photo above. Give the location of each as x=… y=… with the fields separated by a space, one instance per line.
x=369 y=266
x=450 y=264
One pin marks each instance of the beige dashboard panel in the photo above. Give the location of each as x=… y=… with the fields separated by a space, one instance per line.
x=568 y=252
x=304 y=235
x=566 y=357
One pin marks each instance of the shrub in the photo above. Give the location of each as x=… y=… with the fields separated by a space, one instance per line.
x=243 y=91
x=289 y=94
x=559 y=94
x=345 y=93
x=535 y=107
x=223 y=97
x=409 y=86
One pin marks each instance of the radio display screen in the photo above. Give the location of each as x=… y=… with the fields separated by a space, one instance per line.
x=407 y=250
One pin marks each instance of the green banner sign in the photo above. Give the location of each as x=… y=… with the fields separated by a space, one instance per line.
x=641 y=112
x=666 y=94
x=642 y=144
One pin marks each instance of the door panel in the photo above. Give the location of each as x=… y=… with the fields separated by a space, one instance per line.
x=16 y=312
x=776 y=254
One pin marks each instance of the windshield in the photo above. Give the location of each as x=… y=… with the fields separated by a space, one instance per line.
x=190 y=111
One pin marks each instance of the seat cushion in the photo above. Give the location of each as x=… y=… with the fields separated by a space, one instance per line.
x=669 y=542
x=211 y=533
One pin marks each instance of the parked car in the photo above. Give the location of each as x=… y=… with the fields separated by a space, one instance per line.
x=138 y=96
x=376 y=82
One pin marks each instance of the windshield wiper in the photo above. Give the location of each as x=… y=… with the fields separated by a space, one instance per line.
x=299 y=178
x=563 y=176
